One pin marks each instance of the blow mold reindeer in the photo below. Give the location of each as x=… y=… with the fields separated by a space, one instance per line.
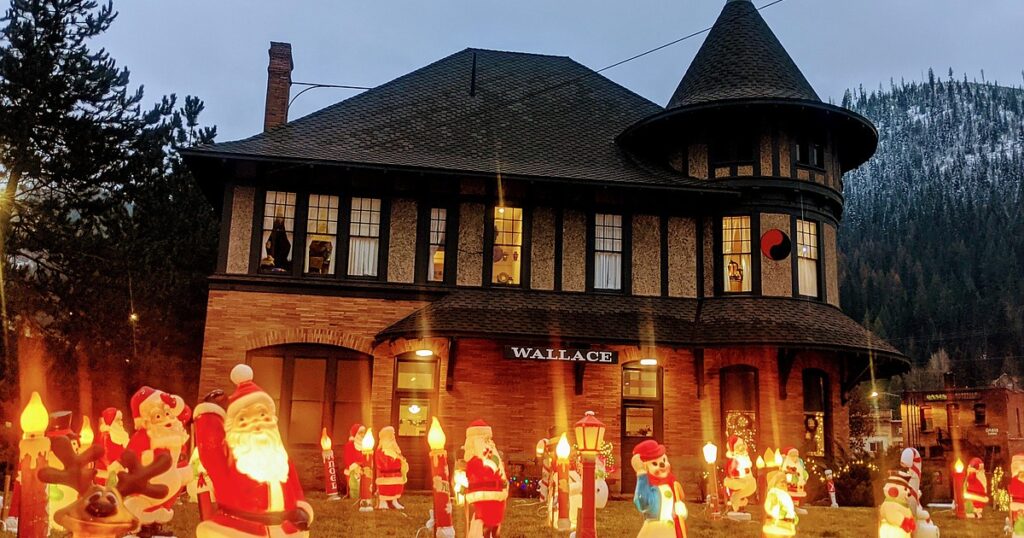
x=99 y=511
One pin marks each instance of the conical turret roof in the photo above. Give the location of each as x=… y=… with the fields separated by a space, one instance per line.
x=741 y=59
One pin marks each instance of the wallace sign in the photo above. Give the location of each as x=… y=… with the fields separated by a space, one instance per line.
x=560 y=354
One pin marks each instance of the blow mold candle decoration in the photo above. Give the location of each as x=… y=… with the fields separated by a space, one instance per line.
x=895 y=518
x=1016 y=491
x=739 y=482
x=796 y=477
x=99 y=511
x=924 y=527
x=658 y=496
x=780 y=517
x=486 y=482
x=160 y=420
x=392 y=470
x=560 y=516
x=33 y=452
x=258 y=490
x=330 y=468
x=441 y=522
x=975 y=489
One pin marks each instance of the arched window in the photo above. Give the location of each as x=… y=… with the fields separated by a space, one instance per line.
x=739 y=390
x=641 y=411
x=817 y=413
x=314 y=386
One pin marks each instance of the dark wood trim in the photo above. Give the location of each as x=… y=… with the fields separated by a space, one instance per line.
x=526 y=261
x=225 y=227
x=822 y=284
x=755 y=253
x=384 y=239
x=578 y=369
x=344 y=233
x=663 y=230
x=287 y=390
x=423 y=211
x=451 y=244
x=784 y=359
x=776 y=166
x=453 y=359
x=488 y=253
x=699 y=255
x=794 y=256
x=627 y=253
x=559 y=230
x=299 y=233
x=590 y=267
x=699 y=373
x=256 y=247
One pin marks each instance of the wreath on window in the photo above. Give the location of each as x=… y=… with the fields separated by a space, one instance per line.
x=504 y=278
x=810 y=425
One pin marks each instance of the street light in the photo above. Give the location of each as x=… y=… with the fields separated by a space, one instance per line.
x=711 y=456
x=589 y=438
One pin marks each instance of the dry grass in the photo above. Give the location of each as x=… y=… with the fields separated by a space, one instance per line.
x=619 y=519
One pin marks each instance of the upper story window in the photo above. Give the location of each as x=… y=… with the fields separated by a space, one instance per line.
x=278 y=232
x=364 y=237
x=508 y=246
x=435 y=254
x=927 y=419
x=731 y=150
x=980 y=416
x=737 y=276
x=807 y=256
x=321 y=234
x=607 y=252
x=809 y=153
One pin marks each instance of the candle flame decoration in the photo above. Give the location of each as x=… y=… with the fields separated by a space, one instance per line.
x=959 y=467
x=35 y=417
x=86 y=435
x=562 y=450
x=325 y=440
x=435 y=437
x=368 y=441
x=759 y=462
x=778 y=458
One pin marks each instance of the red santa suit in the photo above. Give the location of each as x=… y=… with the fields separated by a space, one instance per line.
x=352 y=459
x=1016 y=491
x=390 y=468
x=976 y=487
x=488 y=483
x=159 y=429
x=739 y=479
x=111 y=440
x=247 y=506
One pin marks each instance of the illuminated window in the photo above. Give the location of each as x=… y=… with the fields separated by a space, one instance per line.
x=508 y=246
x=640 y=382
x=607 y=252
x=278 y=232
x=435 y=256
x=737 y=275
x=807 y=256
x=415 y=390
x=739 y=403
x=815 y=412
x=413 y=417
x=639 y=422
x=364 y=237
x=321 y=234
x=416 y=375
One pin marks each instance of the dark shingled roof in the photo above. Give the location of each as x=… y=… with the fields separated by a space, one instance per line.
x=717 y=322
x=528 y=115
x=741 y=59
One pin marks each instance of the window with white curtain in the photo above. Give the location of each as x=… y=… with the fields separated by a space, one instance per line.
x=807 y=257
x=321 y=234
x=364 y=237
x=435 y=256
x=607 y=252
x=736 y=254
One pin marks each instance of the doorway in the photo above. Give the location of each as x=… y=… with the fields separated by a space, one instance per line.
x=414 y=405
x=641 y=413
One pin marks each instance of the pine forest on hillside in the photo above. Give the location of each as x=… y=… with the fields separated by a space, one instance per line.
x=933 y=233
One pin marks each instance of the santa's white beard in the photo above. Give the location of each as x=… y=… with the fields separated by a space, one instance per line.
x=390 y=449
x=259 y=455
x=118 y=435
x=162 y=437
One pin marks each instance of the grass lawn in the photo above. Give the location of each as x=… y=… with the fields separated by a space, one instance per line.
x=524 y=519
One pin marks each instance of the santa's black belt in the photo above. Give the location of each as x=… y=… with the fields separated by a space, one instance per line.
x=266 y=518
x=488 y=485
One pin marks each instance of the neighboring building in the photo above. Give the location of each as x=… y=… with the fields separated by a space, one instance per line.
x=439 y=244
x=886 y=432
x=965 y=423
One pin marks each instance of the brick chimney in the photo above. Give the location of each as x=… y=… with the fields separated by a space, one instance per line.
x=279 y=83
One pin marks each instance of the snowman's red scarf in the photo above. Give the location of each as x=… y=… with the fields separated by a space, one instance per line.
x=667 y=480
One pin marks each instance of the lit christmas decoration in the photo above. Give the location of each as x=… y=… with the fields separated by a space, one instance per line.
x=32 y=456
x=975 y=489
x=658 y=496
x=392 y=469
x=1016 y=493
x=830 y=487
x=562 y=522
x=711 y=457
x=441 y=522
x=739 y=477
x=461 y=483
x=85 y=435
x=780 y=516
x=257 y=486
x=113 y=438
x=958 y=489
x=366 y=480
x=590 y=438
x=352 y=460
x=895 y=517
x=796 y=477
x=487 y=482
x=330 y=469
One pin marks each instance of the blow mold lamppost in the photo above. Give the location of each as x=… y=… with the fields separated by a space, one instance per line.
x=958 y=488
x=441 y=483
x=366 y=481
x=711 y=457
x=589 y=438
x=33 y=450
x=330 y=469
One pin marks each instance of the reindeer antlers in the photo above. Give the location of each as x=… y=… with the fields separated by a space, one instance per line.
x=136 y=480
x=76 y=473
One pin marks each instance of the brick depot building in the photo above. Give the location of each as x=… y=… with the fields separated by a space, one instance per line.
x=447 y=243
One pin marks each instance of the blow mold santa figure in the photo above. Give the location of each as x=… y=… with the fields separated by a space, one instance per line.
x=975 y=488
x=895 y=518
x=353 y=460
x=258 y=490
x=113 y=438
x=160 y=420
x=391 y=468
x=796 y=477
x=910 y=461
x=780 y=517
x=1016 y=491
x=658 y=496
x=739 y=479
x=488 y=483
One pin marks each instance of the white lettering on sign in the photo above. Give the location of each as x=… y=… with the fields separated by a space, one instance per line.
x=561 y=354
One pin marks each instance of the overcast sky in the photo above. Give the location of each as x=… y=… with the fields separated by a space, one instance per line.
x=217 y=49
